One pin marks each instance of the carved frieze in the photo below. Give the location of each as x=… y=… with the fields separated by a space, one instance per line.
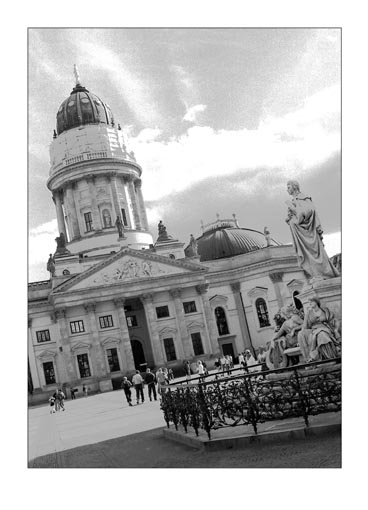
x=129 y=269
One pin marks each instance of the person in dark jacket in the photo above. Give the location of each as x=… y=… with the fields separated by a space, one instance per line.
x=150 y=380
x=126 y=385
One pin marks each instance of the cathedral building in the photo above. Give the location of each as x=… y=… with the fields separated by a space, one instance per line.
x=119 y=298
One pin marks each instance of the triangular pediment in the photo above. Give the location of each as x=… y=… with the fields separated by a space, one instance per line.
x=80 y=345
x=129 y=266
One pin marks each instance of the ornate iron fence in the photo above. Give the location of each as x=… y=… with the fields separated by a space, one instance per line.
x=256 y=397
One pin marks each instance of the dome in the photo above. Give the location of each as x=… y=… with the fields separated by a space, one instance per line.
x=226 y=239
x=81 y=108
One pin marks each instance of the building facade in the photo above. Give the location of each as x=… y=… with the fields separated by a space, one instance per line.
x=119 y=299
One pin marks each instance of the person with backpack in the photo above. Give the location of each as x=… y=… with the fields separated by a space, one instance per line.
x=127 y=385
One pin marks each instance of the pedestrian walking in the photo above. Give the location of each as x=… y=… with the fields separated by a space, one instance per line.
x=127 y=387
x=200 y=370
x=52 y=404
x=161 y=380
x=150 y=380
x=241 y=359
x=138 y=386
x=72 y=393
x=205 y=367
x=171 y=374
x=187 y=369
x=218 y=364
x=223 y=362
x=85 y=390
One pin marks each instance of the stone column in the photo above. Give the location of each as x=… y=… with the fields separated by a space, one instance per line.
x=80 y=219
x=67 y=371
x=59 y=213
x=276 y=278
x=97 y=226
x=125 y=346
x=157 y=349
x=32 y=359
x=72 y=212
x=138 y=187
x=212 y=328
x=98 y=357
x=207 y=345
x=115 y=196
x=184 y=348
x=235 y=287
x=133 y=198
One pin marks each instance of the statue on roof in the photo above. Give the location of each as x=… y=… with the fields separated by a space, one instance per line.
x=267 y=235
x=51 y=265
x=193 y=244
x=161 y=229
x=77 y=76
x=306 y=232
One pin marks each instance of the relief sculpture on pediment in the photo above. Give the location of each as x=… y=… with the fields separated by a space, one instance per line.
x=130 y=269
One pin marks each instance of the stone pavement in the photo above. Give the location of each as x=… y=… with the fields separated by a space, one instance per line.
x=88 y=420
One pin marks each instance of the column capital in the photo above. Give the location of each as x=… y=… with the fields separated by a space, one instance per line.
x=138 y=183
x=175 y=293
x=202 y=288
x=90 y=178
x=276 y=277
x=119 y=302
x=147 y=298
x=60 y=313
x=235 y=286
x=53 y=317
x=90 y=307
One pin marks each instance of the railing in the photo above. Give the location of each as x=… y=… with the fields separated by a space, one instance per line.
x=256 y=397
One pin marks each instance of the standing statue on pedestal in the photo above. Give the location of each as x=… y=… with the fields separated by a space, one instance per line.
x=161 y=229
x=51 y=265
x=307 y=232
x=119 y=226
x=61 y=248
x=194 y=245
x=267 y=235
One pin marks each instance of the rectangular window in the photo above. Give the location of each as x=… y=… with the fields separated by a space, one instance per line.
x=189 y=307
x=169 y=349
x=132 y=321
x=197 y=344
x=83 y=365
x=162 y=311
x=43 y=336
x=77 y=327
x=88 y=221
x=123 y=215
x=113 y=360
x=106 y=321
x=48 y=370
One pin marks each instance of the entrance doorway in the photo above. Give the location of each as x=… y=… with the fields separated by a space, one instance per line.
x=138 y=353
x=228 y=349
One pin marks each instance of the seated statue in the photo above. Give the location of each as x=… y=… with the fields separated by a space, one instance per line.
x=288 y=323
x=320 y=337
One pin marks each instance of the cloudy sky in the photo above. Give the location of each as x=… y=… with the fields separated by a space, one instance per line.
x=219 y=120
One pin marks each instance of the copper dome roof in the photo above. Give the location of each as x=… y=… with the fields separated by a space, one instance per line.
x=81 y=108
x=226 y=242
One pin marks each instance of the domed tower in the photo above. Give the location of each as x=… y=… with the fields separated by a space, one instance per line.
x=94 y=179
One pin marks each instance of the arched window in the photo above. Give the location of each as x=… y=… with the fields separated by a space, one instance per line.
x=221 y=321
x=262 y=313
x=298 y=304
x=106 y=218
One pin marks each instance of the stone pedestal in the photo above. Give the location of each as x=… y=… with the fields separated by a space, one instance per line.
x=329 y=293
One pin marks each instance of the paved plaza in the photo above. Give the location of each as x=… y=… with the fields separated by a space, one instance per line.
x=103 y=431
x=89 y=420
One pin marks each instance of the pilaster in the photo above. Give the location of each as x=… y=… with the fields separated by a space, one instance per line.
x=115 y=196
x=184 y=347
x=235 y=287
x=125 y=346
x=72 y=211
x=99 y=368
x=32 y=359
x=158 y=356
x=67 y=370
x=210 y=320
x=276 y=278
